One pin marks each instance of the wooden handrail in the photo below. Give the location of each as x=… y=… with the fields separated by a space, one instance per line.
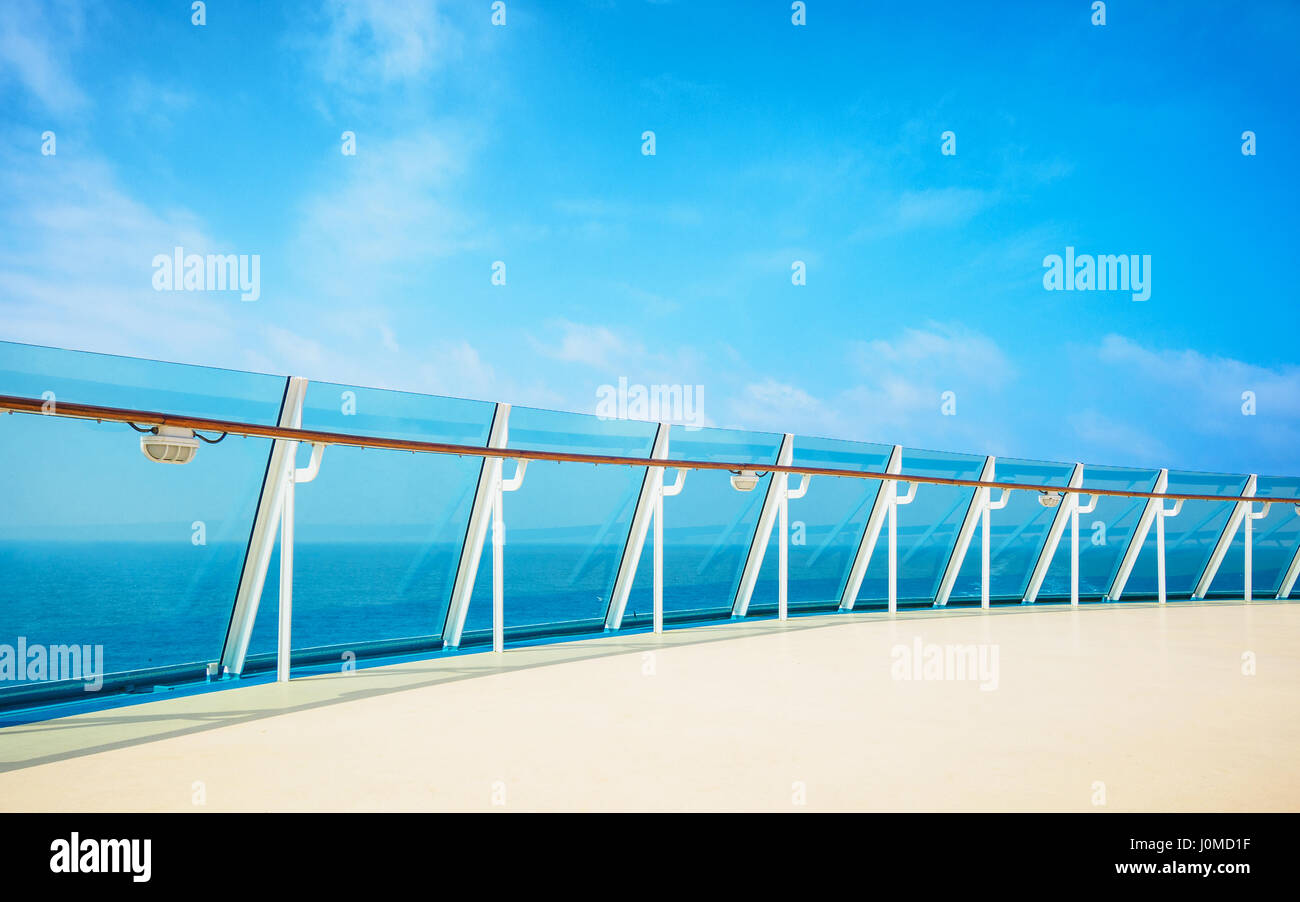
x=232 y=427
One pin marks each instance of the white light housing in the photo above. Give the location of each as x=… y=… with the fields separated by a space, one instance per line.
x=744 y=481
x=171 y=445
x=1049 y=499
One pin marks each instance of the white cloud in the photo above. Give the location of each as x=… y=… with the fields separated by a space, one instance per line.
x=153 y=103
x=77 y=266
x=590 y=345
x=941 y=207
x=1177 y=394
x=393 y=206
x=1216 y=383
x=1105 y=439
x=367 y=44
x=899 y=395
x=773 y=406
x=936 y=353
x=932 y=208
x=30 y=56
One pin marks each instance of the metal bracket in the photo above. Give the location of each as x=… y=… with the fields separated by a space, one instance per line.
x=1075 y=509
x=965 y=532
x=480 y=515
x=293 y=477
x=1292 y=572
x=1139 y=537
x=895 y=501
x=763 y=530
x=870 y=535
x=1224 y=542
x=1051 y=541
x=1250 y=517
x=498 y=549
x=261 y=540
x=642 y=517
x=783 y=545
x=1162 y=513
x=662 y=492
x=988 y=505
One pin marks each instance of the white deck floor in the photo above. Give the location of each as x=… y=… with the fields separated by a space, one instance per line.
x=1151 y=702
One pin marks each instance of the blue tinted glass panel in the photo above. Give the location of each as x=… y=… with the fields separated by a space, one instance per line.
x=1017 y=532
x=104 y=380
x=1189 y=537
x=708 y=528
x=1103 y=534
x=567 y=525
x=826 y=524
x=377 y=533
x=927 y=528
x=1274 y=540
x=99 y=545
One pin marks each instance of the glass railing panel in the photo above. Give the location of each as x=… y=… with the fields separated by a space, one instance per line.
x=1016 y=532
x=1189 y=537
x=1103 y=534
x=377 y=533
x=567 y=525
x=826 y=524
x=102 y=547
x=106 y=380
x=1273 y=543
x=708 y=528
x=927 y=528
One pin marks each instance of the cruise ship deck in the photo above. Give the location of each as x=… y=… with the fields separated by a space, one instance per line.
x=230 y=591
x=1187 y=706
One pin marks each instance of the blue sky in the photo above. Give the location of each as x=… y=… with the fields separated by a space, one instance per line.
x=774 y=143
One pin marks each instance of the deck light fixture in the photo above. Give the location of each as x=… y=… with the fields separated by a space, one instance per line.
x=745 y=480
x=171 y=444
x=1049 y=499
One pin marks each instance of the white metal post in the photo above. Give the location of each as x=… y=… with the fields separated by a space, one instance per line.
x=498 y=570
x=783 y=555
x=1292 y=572
x=965 y=533
x=870 y=533
x=783 y=545
x=1139 y=537
x=659 y=558
x=261 y=542
x=498 y=551
x=891 y=543
x=1161 y=513
x=1075 y=510
x=1224 y=542
x=767 y=516
x=1250 y=517
x=639 y=531
x=894 y=501
x=285 y=642
x=1160 y=553
x=989 y=505
x=1051 y=541
x=660 y=492
x=984 y=553
x=292 y=476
